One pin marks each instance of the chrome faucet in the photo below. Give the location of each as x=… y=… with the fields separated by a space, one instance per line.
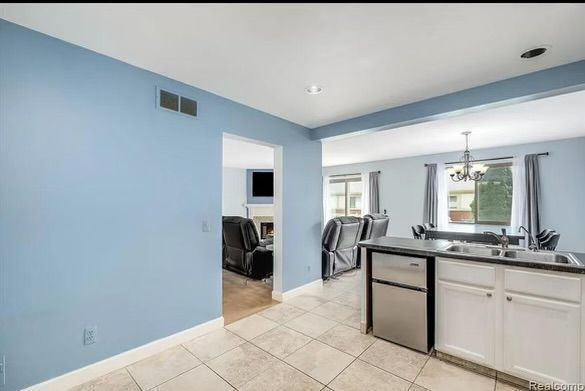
x=504 y=240
x=532 y=242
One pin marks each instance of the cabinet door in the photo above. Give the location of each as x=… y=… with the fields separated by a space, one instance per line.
x=466 y=322
x=541 y=339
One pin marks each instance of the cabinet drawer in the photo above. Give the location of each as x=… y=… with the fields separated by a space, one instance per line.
x=544 y=285
x=466 y=273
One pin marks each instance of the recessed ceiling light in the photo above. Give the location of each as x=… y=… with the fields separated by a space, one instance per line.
x=535 y=52
x=314 y=90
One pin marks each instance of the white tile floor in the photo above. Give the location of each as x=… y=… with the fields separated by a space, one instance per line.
x=312 y=342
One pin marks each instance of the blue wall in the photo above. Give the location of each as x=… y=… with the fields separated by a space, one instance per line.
x=249 y=197
x=102 y=199
x=402 y=183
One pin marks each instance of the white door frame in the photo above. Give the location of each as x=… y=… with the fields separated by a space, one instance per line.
x=277 y=207
x=277 y=286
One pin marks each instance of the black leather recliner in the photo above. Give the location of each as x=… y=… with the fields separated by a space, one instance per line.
x=339 y=245
x=243 y=251
x=375 y=226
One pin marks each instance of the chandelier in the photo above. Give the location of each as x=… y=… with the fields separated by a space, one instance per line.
x=466 y=170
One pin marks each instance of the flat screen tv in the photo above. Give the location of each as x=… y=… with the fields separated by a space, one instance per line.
x=262 y=184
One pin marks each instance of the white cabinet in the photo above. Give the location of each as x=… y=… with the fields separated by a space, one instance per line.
x=466 y=322
x=524 y=322
x=542 y=339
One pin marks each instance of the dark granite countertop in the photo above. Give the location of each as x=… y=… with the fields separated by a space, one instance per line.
x=435 y=248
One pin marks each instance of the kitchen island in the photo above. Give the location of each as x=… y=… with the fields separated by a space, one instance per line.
x=509 y=311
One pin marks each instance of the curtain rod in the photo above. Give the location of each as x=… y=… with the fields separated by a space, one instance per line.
x=357 y=173
x=496 y=158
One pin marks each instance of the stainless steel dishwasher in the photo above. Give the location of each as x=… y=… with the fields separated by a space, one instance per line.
x=400 y=300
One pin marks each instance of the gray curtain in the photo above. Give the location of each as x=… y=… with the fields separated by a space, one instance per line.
x=431 y=205
x=532 y=193
x=374 y=192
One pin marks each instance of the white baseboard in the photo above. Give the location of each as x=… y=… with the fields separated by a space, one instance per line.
x=277 y=296
x=100 y=368
x=363 y=327
x=284 y=296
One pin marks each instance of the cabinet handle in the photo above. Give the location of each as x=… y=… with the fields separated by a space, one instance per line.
x=414 y=264
x=508 y=298
x=488 y=294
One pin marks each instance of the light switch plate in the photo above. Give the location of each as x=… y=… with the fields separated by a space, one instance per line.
x=206 y=227
x=2 y=370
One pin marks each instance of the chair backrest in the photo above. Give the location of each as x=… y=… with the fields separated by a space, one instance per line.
x=375 y=226
x=428 y=226
x=550 y=242
x=342 y=232
x=544 y=233
x=240 y=232
x=418 y=231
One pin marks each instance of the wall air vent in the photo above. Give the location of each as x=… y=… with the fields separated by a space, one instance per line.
x=177 y=103
x=188 y=106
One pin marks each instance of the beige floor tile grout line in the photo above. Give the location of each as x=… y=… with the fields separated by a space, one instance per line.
x=174 y=377
x=315 y=339
x=132 y=377
x=221 y=377
x=250 y=342
x=279 y=359
x=422 y=367
x=374 y=365
x=336 y=376
x=308 y=342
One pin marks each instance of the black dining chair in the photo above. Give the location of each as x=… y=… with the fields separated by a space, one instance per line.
x=418 y=231
x=550 y=241
x=544 y=233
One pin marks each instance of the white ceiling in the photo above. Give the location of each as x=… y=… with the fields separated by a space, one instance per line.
x=238 y=153
x=368 y=57
x=547 y=119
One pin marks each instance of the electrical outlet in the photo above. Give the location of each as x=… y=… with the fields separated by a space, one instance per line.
x=90 y=335
x=3 y=371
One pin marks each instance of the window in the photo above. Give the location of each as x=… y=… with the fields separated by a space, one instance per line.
x=345 y=196
x=452 y=201
x=488 y=201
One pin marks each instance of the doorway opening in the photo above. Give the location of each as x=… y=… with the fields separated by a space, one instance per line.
x=251 y=226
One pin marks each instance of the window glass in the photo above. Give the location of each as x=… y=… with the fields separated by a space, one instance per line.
x=488 y=201
x=494 y=196
x=337 y=199
x=461 y=197
x=345 y=196
x=355 y=199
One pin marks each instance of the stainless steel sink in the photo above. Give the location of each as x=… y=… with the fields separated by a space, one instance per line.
x=474 y=250
x=515 y=254
x=548 y=257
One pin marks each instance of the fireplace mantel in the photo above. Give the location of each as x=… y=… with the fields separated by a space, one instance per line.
x=260 y=213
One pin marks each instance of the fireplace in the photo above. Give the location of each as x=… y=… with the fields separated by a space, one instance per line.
x=263 y=216
x=266 y=228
